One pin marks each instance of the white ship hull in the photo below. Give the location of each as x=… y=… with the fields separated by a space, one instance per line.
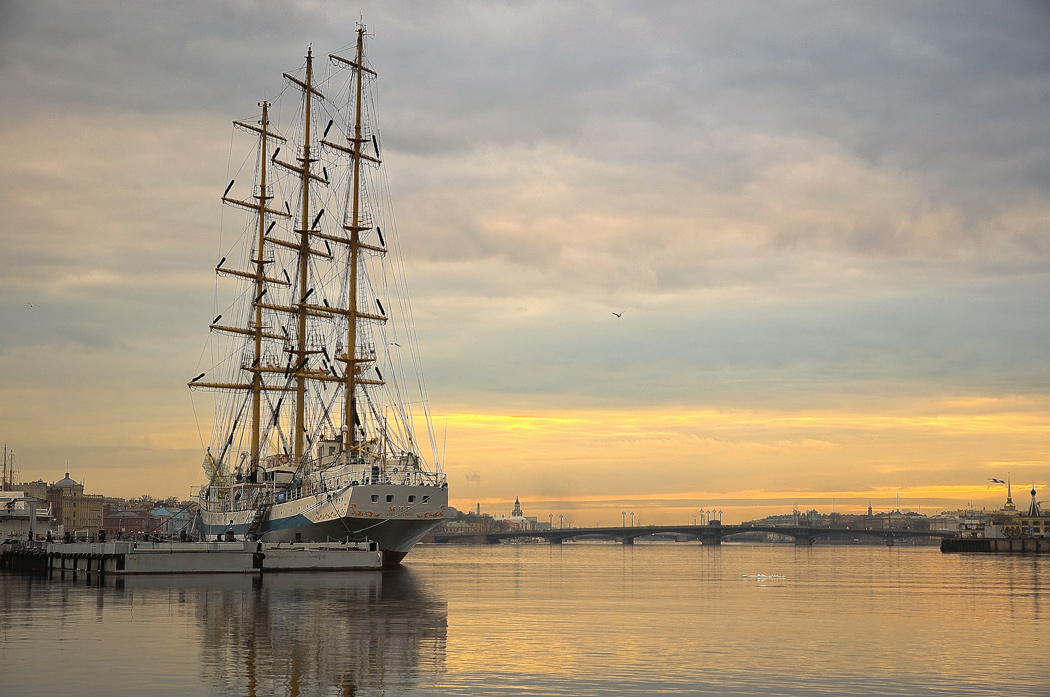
x=354 y=512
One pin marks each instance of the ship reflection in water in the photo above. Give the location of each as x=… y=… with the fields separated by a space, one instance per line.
x=319 y=633
x=362 y=632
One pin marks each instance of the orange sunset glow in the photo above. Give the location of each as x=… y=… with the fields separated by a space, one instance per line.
x=698 y=279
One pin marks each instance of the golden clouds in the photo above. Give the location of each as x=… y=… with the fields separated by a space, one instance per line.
x=669 y=461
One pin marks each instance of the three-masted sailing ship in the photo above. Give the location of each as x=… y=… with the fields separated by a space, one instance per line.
x=315 y=404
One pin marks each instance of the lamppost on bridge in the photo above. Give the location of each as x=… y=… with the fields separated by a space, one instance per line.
x=624 y=515
x=561 y=520
x=550 y=517
x=632 y=519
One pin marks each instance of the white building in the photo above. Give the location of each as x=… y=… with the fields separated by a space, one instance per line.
x=16 y=512
x=517 y=519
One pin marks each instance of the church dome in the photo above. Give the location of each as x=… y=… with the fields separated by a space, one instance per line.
x=66 y=481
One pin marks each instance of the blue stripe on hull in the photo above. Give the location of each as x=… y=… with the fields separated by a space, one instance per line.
x=395 y=536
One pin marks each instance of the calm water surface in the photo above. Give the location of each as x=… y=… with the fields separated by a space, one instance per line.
x=579 y=619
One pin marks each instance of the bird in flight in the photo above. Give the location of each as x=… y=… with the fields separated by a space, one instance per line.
x=618 y=314
x=30 y=304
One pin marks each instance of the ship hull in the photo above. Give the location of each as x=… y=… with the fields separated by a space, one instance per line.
x=395 y=517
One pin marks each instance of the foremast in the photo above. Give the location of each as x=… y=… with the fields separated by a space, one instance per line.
x=257 y=328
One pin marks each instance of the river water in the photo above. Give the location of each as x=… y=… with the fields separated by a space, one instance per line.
x=575 y=619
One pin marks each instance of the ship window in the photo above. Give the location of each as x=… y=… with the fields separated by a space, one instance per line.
x=375 y=498
x=389 y=498
x=426 y=499
x=411 y=499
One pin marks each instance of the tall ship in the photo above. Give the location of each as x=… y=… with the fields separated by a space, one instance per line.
x=316 y=381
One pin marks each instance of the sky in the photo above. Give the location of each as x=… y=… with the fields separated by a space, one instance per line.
x=826 y=226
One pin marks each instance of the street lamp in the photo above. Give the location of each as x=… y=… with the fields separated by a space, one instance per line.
x=624 y=514
x=632 y=519
x=550 y=517
x=561 y=520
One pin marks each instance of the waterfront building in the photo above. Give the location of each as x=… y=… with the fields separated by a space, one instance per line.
x=1034 y=522
x=518 y=520
x=119 y=523
x=73 y=510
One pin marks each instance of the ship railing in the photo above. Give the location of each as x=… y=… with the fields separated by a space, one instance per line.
x=340 y=476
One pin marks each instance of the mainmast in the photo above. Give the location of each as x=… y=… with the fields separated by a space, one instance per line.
x=304 y=268
x=302 y=308
x=355 y=365
x=350 y=409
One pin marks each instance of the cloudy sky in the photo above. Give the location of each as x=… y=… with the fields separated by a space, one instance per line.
x=827 y=226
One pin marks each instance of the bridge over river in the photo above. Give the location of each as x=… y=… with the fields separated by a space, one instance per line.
x=710 y=534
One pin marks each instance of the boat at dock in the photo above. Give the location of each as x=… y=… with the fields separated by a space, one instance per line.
x=316 y=379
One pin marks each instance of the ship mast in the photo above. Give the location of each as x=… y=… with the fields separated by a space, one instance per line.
x=350 y=409
x=257 y=329
x=305 y=306
x=355 y=365
x=301 y=354
x=260 y=278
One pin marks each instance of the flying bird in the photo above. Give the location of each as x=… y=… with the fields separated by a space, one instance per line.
x=618 y=314
x=997 y=481
x=30 y=304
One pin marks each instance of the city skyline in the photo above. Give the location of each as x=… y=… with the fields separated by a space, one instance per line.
x=664 y=257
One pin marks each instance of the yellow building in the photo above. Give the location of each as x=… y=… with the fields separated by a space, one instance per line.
x=72 y=509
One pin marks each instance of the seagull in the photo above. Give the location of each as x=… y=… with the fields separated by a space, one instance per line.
x=30 y=304
x=394 y=343
x=618 y=314
x=997 y=481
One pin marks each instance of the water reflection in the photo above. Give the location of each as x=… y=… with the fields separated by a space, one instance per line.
x=283 y=634
x=535 y=620
x=311 y=633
